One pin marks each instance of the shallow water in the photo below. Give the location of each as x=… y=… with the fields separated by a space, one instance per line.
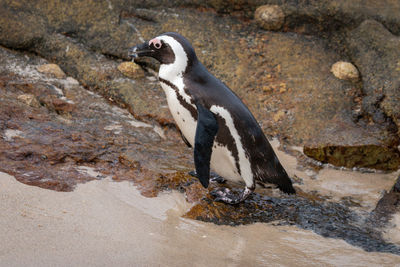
x=107 y=223
x=364 y=188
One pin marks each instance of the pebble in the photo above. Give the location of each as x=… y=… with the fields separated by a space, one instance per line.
x=29 y=99
x=270 y=17
x=131 y=70
x=52 y=69
x=279 y=115
x=345 y=71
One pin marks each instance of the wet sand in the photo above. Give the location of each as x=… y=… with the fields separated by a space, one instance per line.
x=106 y=223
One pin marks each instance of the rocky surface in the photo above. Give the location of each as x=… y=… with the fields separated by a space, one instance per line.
x=54 y=130
x=376 y=51
x=285 y=78
x=62 y=123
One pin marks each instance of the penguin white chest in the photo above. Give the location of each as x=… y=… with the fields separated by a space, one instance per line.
x=222 y=160
x=182 y=116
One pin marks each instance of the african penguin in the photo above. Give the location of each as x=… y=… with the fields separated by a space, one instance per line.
x=225 y=135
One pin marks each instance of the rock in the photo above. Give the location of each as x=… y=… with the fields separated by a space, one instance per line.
x=317 y=17
x=270 y=17
x=389 y=204
x=270 y=71
x=29 y=100
x=372 y=156
x=62 y=106
x=345 y=71
x=52 y=69
x=279 y=115
x=131 y=70
x=376 y=53
x=44 y=149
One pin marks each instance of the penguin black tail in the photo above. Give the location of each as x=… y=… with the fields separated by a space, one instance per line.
x=287 y=188
x=284 y=183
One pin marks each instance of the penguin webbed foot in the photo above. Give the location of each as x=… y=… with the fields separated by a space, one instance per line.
x=213 y=177
x=226 y=195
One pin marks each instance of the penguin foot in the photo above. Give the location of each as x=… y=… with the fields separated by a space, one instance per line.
x=213 y=177
x=226 y=195
x=216 y=178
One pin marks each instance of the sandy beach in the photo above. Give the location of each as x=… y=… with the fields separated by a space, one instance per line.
x=106 y=223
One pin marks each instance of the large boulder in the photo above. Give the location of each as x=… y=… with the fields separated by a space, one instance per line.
x=376 y=51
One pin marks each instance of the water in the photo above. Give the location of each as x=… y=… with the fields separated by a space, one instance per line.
x=107 y=223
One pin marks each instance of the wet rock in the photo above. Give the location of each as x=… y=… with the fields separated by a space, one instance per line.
x=131 y=70
x=48 y=145
x=345 y=71
x=325 y=218
x=389 y=204
x=52 y=69
x=269 y=17
x=376 y=53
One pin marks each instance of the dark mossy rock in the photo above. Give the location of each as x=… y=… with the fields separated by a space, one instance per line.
x=372 y=156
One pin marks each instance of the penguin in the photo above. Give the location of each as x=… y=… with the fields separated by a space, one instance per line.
x=213 y=120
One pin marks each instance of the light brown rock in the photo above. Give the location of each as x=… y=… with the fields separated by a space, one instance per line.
x=52 y=69
x=270 y=17
x=131 y=70
x=29 y=100
x=345 y=71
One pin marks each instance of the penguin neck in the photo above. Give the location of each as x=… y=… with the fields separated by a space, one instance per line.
x=174 y=72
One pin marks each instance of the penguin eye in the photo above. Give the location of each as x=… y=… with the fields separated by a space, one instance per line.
x=157 y=45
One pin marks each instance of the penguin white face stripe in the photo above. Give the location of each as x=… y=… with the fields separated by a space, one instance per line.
x=244 y=163
x=174 y=72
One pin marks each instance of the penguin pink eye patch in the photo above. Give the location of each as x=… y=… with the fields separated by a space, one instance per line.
x=156 y=42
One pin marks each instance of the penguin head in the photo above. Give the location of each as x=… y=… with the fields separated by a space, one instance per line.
x=168 y=48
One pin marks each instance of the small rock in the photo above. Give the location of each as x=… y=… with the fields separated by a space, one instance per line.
x=52 y=69
x=279 y=115
x=9 y=134
x=345 y=71
x=131 y=70
x=29 y=100
x=270 y=17
x=62 y=106
x=59 y=105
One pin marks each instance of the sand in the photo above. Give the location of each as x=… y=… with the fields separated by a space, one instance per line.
x=106 y=223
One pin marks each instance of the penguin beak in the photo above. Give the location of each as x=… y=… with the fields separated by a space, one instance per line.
x=141 y=50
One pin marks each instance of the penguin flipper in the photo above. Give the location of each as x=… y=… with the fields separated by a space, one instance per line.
x=184 y=139
x=206 y=130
